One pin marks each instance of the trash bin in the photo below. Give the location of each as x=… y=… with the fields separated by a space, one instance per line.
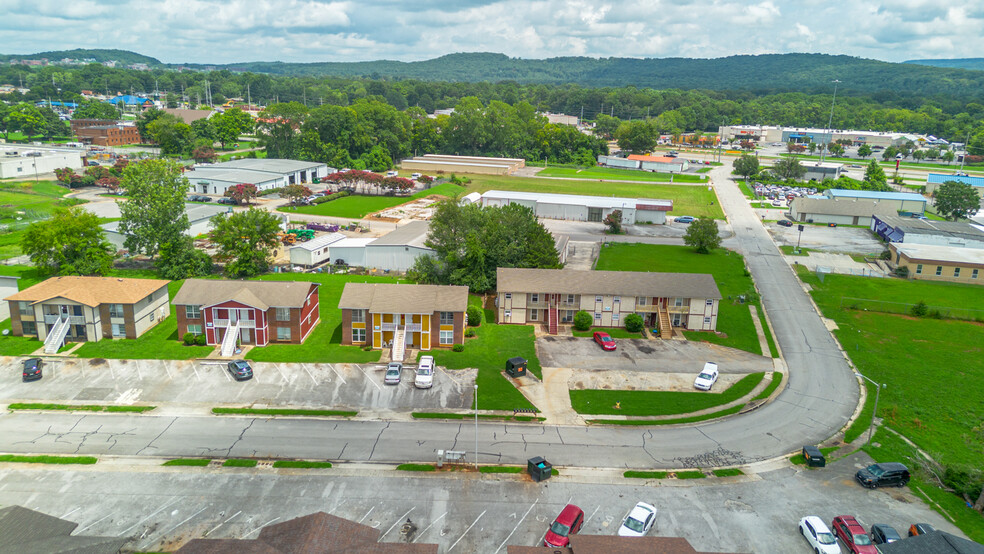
x=516 y=367
x=814 y=458
x=539 y=469
x=316 y=180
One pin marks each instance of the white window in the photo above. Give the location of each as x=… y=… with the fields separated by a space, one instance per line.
x=570 y=298
x=956 y=272
x=919 y=269
x=534 y=298
x=283 y=314
x=195 y=329
x=26 y=309
x=116 y=310
x=678 y=301
x=447 y=318
x=939 y=270
x=568 y=316
x=617 y=299
x=358 y=316
x=508 y=296
x=358 y=335
x=709 y=302
x=193 y=312
x=973 y=274
x=641 y=300
x=283 y=333
x=534 y=315
x=447 y=337
x=597 y=316
x=614 y=318
x=707 y=321
x=119 y=330
x=29 y=328
x=599 y=298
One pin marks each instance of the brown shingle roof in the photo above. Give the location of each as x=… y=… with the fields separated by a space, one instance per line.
x=259 y=294
x=189 y=116
x=410 y=299
x=91 y=291
x=623 y=283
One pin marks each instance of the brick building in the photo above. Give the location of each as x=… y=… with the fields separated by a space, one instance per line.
x=105 y=132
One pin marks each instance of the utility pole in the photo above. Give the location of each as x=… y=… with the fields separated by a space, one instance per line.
x=830 y=121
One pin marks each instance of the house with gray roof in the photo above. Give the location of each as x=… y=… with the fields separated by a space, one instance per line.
x=551 y=297
x=388 y=315
x=28 y=531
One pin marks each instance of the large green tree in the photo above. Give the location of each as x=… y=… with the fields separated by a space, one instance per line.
x=70 y=243
x=874 y=174
x=746 y=166
x=864 y=151
x=956 y=200
x=173 y=136
x=96 y=110
x=789 y=168
x=702 y=235
x=230 y=125
x=637 y=137
x=246 y=241
x=278 y=127
x=153 y=212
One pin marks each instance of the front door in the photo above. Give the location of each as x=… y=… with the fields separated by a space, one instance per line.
x=246 y=335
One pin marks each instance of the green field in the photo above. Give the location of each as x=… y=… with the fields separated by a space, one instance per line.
x=728 y=269
x=658 y=403
x=614 y=174
x=693 y=200
x=22 y=203
x=357 y=206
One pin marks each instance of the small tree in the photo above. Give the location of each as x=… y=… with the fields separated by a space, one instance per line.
x=295 y=193
x=204 y=154
x=864 y=151
x=874 y=173
x=474 y=315
x=614 y=222
x=179 y=259
x=955 y=200
x=242 y=193
x=582 y=320
x=789 y=168
x=633 y=323
x=246 y=240
x=919 y=309
x=746 y=166
x=69 y=243
x=702 y=235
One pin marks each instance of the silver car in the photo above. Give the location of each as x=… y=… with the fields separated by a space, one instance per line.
x=393 y=372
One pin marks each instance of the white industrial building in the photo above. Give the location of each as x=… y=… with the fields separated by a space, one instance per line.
x=314 y=251
x=772 y=133
x=657 y=164
x=264 y=173
x=199 y=216
x=23 y=161
x=818 y=171
x=573 y=207
x=351 y=251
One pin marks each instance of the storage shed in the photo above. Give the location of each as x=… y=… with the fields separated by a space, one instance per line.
x=315 y=251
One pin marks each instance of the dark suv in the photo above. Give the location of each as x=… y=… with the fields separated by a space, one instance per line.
x=883 y=475
x=32 y=369
x=240 y=370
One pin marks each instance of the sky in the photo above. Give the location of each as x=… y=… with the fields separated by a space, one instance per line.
x=228 y=31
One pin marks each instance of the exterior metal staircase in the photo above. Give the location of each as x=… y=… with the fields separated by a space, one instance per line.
x=229 y=340
x=56 y=338
x=399 y=345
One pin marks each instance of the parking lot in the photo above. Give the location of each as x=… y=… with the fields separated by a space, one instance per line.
x=336 y=386
x=663 y=356
x=832 y=239
x=161 y=508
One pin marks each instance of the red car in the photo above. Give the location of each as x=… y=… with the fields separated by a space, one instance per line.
x=852 y=535
x=605 y=340
x=569 y=521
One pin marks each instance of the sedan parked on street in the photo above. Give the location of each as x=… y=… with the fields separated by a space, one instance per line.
x=820 y=538
x=639 y=521
x=240 y=370
x=605 y=340
x=685 y=219
x=393 y=372
x=32 y=369
x=708 y=376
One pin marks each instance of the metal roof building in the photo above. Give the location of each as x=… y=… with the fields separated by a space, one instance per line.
x=905 y=203
x=924 y=231
x=264 y=173
x=840 y=211
x=934 y=180
x=573 y=207
x=315 y=251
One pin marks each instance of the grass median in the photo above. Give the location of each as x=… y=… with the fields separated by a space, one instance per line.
x=284 y=412
x=79 y=408
x=84 y=460
x=658 y=403
x=645 y=474
x=695 y=419
x=300 y=464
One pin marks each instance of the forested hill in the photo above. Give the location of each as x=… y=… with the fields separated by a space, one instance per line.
x=100 y=55
x=959 y=63
x=769 y=72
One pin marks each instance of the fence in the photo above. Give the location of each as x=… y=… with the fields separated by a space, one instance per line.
x=822 y=271
x=884 y=306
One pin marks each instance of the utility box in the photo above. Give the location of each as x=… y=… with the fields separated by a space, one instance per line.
x=539 y=469
x=814 y=458
x=516 y=367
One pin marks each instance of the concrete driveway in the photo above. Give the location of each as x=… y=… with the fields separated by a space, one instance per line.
x=646 y=355
x=207 y=383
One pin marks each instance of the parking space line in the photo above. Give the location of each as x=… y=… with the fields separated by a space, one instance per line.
x=258 y=528
x=209 y=532
x=420 y=534
x=199 y=377
x=398 y=520
x=517 y=525
x=623 y=519
x=111 y=372
x=367 y=514
x=128 y=529
x=340 y=378
x=72 y=512
x=311 y=375
x=94 y=522
x=186 y=520
x=592 y=515
x=282 y=374
x=371 y=380
x=139 y=375
x=169 y=376
x=466 y=531
x=457 y=382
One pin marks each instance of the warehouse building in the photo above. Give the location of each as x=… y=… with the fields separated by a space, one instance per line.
x=940 y=263
x=934 y=180
x=818 y=171
x=771 y=133
x=398 y=250
x=20 y=162
x=905 y=203
x=657 y=164
x=572 y=207
x=924 y=231
x=264 y=173
x=839 y=211
x=434 y=163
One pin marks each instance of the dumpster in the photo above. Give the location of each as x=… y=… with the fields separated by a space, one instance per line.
x=814 y=458
x=539 y=469
x=316 y=180
x=516 y=367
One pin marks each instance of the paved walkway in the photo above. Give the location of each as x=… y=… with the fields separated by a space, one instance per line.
x=763 y=342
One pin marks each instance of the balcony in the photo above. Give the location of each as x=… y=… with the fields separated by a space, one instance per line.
x=647 y=308
x=243 y=323
x=409 y=327
x=72 y=319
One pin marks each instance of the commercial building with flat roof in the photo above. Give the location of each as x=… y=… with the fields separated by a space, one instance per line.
x=264 y=173
x=924 y=231
x=905 y=203
x=199 y=216
x=573 y=207
x=934 y=180
x=772 y=133
x=818 y=171
x=23 y=161
x=940 y=263
x=837 y=210
x=432 y=163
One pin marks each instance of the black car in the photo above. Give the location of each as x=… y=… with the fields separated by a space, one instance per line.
x=785 y=223
x=883 y=475
x=882 y=534
x=240 y=370
x=32 y=369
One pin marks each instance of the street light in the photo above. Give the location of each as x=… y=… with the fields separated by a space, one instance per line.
x=878 y=388
x=829 y=122
x=476 y=425
x=798 y=240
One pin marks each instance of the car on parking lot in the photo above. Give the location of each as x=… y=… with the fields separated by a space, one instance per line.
x=852 y=535
x=415 y=176
x=855 y=166
x=425 y=373
x=707 y=377
x=685 y=219
x=883 y=475
x=604 y=340
x=882 y=533
x=821 y=540
x=32 y=369
x=920 y=529
x=568 y=522
x=785 y=223
x=240 y=370
x=393 y=372
x=639 y=521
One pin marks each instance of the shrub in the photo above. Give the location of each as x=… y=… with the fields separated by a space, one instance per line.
x=189 y=339
x=964 y=480
x=470 y=332
x=582 y=320
x=902 y=272
x=200 y=340
x=885 y=255
x=919 y=309
x=633 y=323
x=474 y=316
x=458 y=348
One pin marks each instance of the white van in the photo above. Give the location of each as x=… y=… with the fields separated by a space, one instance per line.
x=425 y=373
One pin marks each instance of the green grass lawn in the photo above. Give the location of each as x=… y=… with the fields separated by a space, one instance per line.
x=693 y=200
x=615 y=332
x=728 y=269
x=613 y=173
x=658 y=403
x=357 y=206
x=16 y=346
x=24 y=202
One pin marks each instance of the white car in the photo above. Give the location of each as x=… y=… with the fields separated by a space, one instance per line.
x=708 y=376
x=639 y=521
x=415 y=176
x=820 y=538
x=425 y=373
